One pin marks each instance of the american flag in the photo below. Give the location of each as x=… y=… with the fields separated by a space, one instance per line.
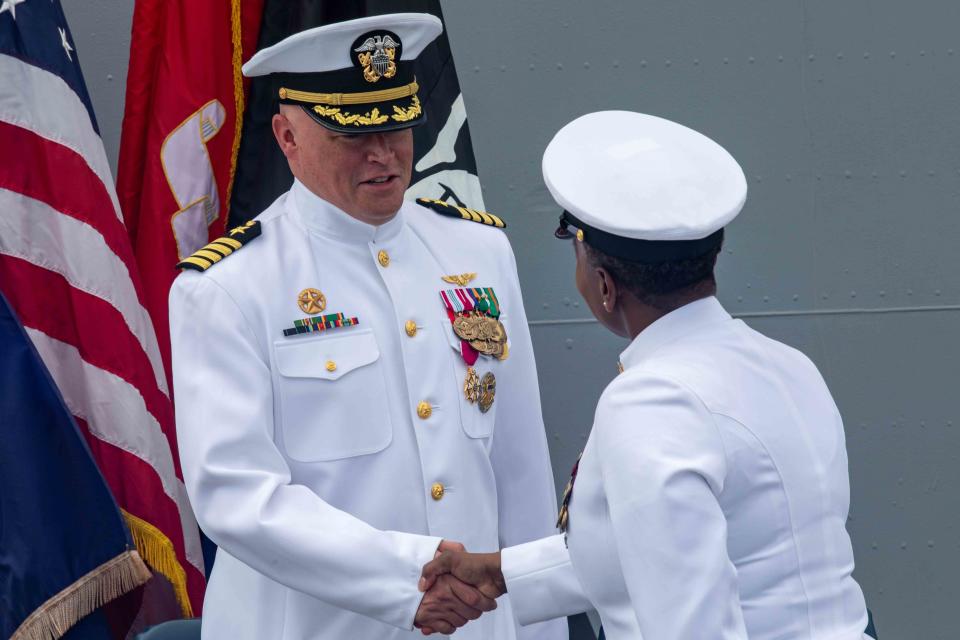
x=67 y=267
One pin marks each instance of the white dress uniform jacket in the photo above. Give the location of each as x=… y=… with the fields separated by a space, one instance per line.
x=305 y=457
x=711 y=498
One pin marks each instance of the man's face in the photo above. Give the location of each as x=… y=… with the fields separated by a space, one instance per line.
x=363 y=174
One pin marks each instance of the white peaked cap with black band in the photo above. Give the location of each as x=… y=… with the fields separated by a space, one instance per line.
x=642 y=188
x=355 y=76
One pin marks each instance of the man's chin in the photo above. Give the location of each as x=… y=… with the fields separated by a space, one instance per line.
x=383 y=208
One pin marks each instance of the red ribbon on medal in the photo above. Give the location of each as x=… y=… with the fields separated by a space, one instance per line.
x=469 y=354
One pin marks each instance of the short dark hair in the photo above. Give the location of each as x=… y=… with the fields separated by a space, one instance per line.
x=661 y=285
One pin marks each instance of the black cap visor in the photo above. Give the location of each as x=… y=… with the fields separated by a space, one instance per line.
x=634 y=249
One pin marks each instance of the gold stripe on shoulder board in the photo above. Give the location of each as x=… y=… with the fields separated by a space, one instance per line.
x=230 y=242
x=465 y=213
x=222 y=247
x=212 y=256
x=197 y=263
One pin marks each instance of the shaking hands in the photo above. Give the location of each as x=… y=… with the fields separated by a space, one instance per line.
x=458 y=587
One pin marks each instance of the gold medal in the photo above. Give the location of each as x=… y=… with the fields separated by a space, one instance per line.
x=471 y=386
x=488 y=348
x=492 y=329
x=311 y=301
x=488 y=389
x=485 y=334
x=467 y=327
x=475 y=317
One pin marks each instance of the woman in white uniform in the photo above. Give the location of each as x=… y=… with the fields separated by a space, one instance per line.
x=712 y=495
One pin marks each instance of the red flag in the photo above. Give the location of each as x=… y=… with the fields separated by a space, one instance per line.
x=67 y=268
x=181 y=133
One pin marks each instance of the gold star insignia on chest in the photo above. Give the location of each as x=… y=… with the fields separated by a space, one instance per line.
x=312 y=301
x=211 y=254
x=454 y=211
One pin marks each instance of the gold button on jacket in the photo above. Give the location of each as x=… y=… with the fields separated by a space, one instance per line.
x=436 y=491
x=383 y=258
x=411 y=328
x=424 y=410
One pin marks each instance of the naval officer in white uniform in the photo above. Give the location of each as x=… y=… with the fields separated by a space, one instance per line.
x=354 y=373
x=711 y=499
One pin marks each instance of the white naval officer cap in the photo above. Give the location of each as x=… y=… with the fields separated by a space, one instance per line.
x=641 y=188
x=355 y=76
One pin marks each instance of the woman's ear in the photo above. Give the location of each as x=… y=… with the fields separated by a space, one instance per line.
x=608 y=289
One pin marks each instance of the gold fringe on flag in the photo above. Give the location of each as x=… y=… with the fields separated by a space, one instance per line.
x=236 y=37
x=158 y=552
x=105 y=583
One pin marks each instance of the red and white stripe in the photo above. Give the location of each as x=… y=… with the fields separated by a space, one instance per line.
x=67 y=267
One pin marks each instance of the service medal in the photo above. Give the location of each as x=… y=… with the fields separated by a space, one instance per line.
x=488 y=389
x=474 y=314
x=488 y=348
x=466 y=327
x=471 y=386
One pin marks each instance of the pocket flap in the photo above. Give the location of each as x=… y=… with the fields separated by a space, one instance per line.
x=328 y=358
x=447 y=328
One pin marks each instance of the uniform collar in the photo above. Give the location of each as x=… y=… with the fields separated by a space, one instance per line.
x=688 y=319
x=331 y=222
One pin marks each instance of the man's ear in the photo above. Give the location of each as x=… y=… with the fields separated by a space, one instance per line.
x=284 y=132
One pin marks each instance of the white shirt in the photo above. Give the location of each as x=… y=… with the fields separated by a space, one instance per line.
x=711 y=498
x=304 y=456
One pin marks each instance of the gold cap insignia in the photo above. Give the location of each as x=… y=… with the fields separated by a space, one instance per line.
x=377 y=56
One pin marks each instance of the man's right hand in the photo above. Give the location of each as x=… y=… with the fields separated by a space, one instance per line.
x=482 y=570
x=448 y=603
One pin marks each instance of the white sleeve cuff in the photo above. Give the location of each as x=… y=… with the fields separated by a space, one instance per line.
x=421 y=550
x=541 y=581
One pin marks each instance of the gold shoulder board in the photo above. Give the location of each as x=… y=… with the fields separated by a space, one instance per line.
x=204 y=258
x=453 y=211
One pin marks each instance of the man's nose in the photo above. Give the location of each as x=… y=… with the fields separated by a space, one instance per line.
x=379 y=147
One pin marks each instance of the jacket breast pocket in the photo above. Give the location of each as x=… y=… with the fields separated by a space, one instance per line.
x=476 y=422
x=333 y=397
